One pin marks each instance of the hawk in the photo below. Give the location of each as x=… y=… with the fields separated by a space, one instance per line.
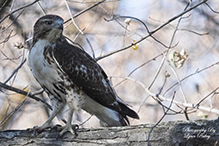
x=71 y=76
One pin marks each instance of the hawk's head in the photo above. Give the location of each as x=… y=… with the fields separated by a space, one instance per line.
x=48 y=27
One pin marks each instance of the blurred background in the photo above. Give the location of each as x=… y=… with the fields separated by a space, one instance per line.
x=183 y=53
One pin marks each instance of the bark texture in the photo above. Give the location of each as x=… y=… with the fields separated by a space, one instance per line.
x=204 y=133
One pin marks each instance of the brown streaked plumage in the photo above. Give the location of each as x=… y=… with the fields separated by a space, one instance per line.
x=71 y=76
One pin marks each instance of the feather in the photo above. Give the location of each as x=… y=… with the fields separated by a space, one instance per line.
x=71 y=76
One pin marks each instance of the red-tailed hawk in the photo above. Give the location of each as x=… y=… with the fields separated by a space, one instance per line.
x=70 y=76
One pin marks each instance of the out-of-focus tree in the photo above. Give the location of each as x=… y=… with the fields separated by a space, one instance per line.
x=161 y=56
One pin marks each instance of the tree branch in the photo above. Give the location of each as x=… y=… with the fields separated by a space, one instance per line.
x=17 y=10
x=202 y=133
x=152 y=32
x=24 y=93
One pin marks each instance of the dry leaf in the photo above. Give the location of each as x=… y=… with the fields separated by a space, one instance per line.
x=178 y=59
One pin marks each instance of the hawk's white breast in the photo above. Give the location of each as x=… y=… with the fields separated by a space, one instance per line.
x=51 y=76
x=44 y=72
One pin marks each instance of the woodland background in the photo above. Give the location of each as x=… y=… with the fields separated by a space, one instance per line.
x=138 y=44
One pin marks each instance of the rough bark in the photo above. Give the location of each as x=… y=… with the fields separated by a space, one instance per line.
x=202 y=133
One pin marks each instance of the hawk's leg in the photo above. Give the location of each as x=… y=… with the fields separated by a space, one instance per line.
x=68 y=126
x=56 y=108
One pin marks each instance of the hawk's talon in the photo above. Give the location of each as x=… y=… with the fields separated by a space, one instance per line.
x=71 y=128
x=56 y=127
x=37 y=129
x=42 y=128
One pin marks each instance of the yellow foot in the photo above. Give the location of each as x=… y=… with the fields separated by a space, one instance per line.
x=43 y=127
x=70 y=128
x=40 y=129
x=46 y=127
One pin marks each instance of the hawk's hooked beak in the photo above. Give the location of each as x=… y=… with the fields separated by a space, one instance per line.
x=59 y=25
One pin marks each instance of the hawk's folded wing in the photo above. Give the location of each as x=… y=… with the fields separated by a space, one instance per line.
x=86 y=73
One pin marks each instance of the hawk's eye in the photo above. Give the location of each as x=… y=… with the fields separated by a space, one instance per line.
x=48 y=22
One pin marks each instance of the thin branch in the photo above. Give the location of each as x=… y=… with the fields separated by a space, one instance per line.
x=158 y=71
x=85 y=10
x=186 y=114
x=211 y=8
x=8 y=37
x=165 y=57
x=140 y=66
x=13 y=112
x=15 y=19
x=117 y=17
x=24 y=93
x=3 y=5
x=82 y=123
x=192 y=74
x=197 y=105
x=72 y=18
x=167 y=75
x=190 y=105
x=206 y=15
x=152 y=32
x=145 y=26
x=7 y=58
x=15 y=71
x=12 y=5
x=194 y=32
x=44 y=12
x=178 y=79
x=153 y=59
x=159 y=101
x=91 y=2
x=165 y=113
x=18 y=10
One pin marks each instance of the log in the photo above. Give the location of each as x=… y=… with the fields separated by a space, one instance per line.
x=202 y=132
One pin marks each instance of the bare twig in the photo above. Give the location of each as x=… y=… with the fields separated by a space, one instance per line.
x=194 y=32
x=186 y=114
x=82 y=123
x=15 y=19
x=167 y=75
x=3 y=5
x=211 y=8
x=15 y=71
x=134 y=18
x=165 y=113
x=145 y=26
x=24 y=93
x=44 y=12
x=140 y=66
x=206 y=15
x=85 y=10
x=152 y=32
x=18 y=10
x=196 y=72
x=7 y=58
x=91 y=2
x=165 y=57
x=8 y=37
x=189 y=105
x=72 y=18
x=178 y=79
x=198 y=104
x=13 y=112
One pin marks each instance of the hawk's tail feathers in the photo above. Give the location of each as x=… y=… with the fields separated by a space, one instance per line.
x=128 y=112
